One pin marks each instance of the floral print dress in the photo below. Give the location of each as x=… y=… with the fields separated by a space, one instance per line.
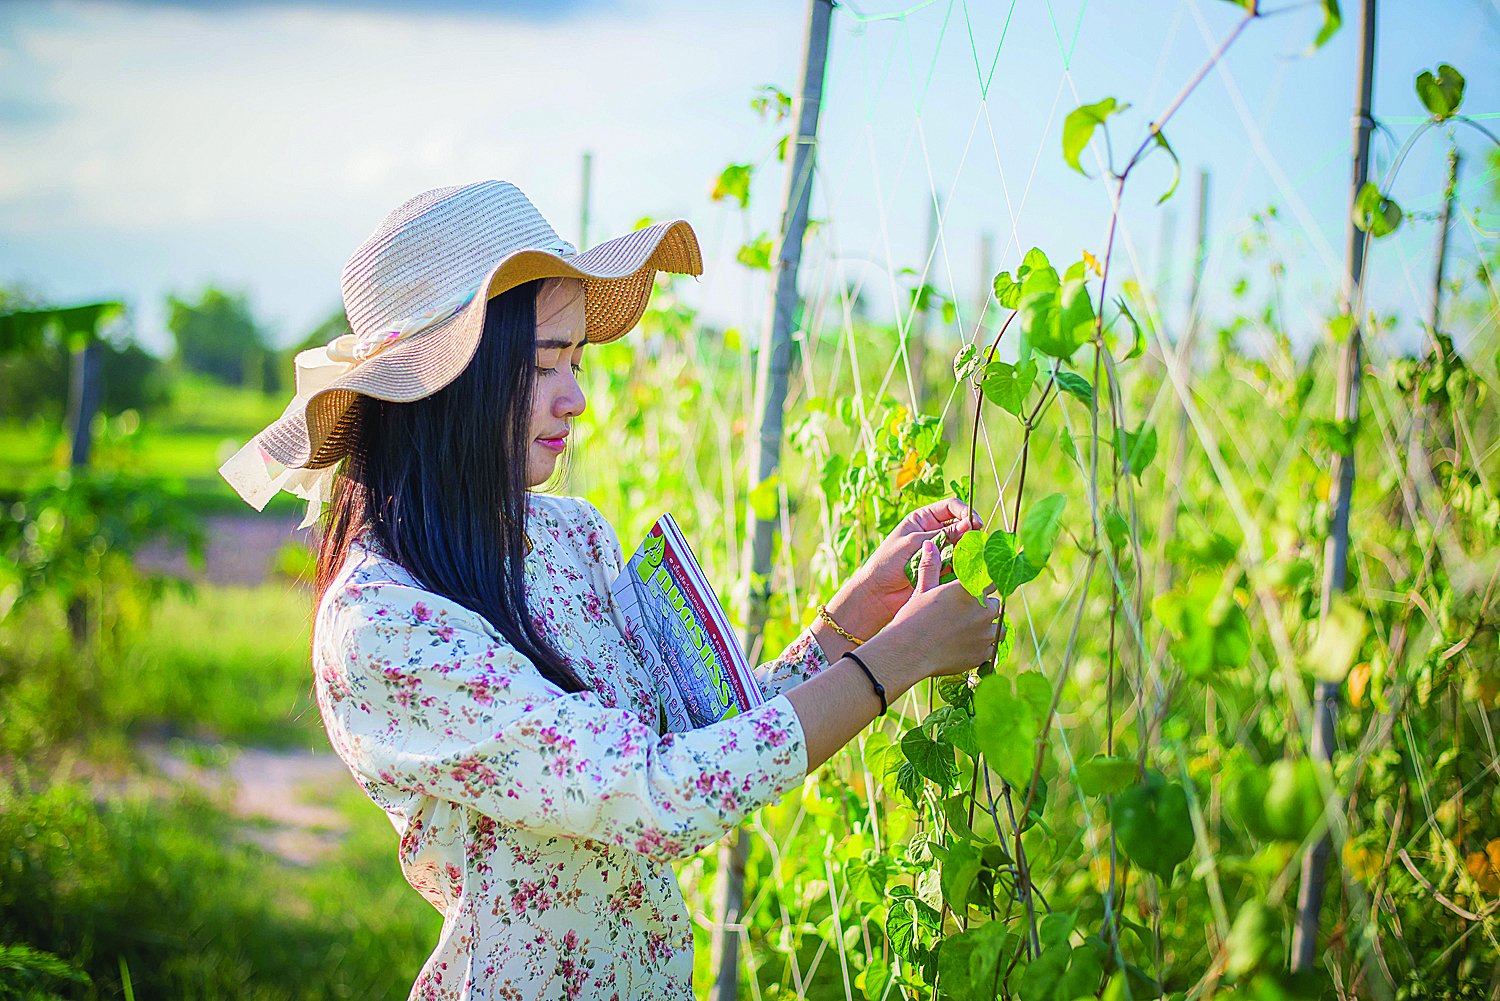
x=542 y=824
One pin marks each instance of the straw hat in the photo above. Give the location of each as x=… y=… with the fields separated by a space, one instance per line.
x=415 y=294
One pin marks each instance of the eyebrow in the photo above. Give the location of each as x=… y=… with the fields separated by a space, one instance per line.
x=551 y=343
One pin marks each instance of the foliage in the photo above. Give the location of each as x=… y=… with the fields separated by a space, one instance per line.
x=217 y=335
x=170 y=894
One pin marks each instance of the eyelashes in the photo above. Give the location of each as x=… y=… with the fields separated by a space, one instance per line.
x=548 y=371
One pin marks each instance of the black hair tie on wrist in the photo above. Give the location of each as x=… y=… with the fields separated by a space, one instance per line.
x=879 y=688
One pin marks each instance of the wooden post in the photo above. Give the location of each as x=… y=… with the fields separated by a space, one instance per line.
x=583 y=202
x=770 y=397
x=1336 y=551
x=85 y=389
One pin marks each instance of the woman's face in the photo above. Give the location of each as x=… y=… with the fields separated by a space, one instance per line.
x=556 y=397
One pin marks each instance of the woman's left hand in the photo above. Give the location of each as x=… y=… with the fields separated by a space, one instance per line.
x=879 y=588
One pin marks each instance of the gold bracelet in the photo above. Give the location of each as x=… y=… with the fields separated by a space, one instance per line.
x=823 y=614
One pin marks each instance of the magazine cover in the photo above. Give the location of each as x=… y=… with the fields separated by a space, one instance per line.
x=675 y=624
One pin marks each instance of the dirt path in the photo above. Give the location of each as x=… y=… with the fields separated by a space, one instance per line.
x=282 y=796
x=240 y=549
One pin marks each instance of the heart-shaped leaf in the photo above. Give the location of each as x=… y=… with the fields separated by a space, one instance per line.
x=1441 y=93
x=1079 y=126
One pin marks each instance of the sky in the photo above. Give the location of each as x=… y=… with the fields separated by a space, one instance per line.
x=151 y=147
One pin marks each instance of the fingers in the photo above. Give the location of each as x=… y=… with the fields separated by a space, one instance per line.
x=930 y=568
x=949 y=514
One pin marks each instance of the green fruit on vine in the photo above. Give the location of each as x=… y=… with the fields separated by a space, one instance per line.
x=1153 y=823
x=1294 y=799
x=1245 y=800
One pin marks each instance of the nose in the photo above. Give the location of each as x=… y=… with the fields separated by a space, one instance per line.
x=570 y=402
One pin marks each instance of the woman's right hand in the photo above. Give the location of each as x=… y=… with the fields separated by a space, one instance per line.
x=942 y=629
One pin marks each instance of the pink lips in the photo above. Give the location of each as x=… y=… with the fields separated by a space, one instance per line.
x=554 y=444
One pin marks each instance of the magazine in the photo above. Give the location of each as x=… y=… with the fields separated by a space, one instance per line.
x=676 y=626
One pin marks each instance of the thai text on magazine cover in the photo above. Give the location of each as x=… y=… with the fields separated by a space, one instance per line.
x=675 y=624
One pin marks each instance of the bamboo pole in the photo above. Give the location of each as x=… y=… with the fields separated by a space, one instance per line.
x=770 y=398
x=1336 y=551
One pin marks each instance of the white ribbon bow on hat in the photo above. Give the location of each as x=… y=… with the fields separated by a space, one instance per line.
x=256 y=476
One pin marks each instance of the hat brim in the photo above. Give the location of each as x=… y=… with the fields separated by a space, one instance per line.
x=617 y=278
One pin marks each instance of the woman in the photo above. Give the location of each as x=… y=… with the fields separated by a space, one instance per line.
x=470 y=666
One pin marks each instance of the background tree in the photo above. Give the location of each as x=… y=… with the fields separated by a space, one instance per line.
x=218 y=336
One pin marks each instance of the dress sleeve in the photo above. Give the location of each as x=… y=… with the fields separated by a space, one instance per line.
x=420 y=696
x=797 y=663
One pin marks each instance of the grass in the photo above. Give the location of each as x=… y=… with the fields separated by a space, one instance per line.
x=112 y=871
x=165 y=891
x=226 y=663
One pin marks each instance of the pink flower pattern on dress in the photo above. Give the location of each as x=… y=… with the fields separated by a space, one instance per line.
x=541 y=824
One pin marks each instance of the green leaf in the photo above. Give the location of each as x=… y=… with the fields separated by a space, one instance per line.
x=756 y=254
x=901 y=926
x=1083 y=976
x=960 y=869
x=1006 y=385
x=1058 y=323
x=1340 y=636
x=1116 y=528
x=1033 y=688
x=968 y=961
x=1075 y=386
x=876 y=978
x=1006 y=729
x=1375 y=213
x=965 y=362
x=1137 y=448
x=909 y=782
x=1008 y=567
x=1102 y=775
x=1206 y=631
x=1056 y=927
x=953 y=724
x=1042 y=975
x=1079 y=126
x=945 y=557
x=1007 y=290
x=1333 y=19
x=956 y=692
x=1253 y=937
x=933 y=759
x=1442 y=93
x=1137 y=335
x=1153 y=825
x=734 y=183
x=1040 y=527
x=1161 y=142
x=969 y=563
x=1035 y=261
x=765 y=498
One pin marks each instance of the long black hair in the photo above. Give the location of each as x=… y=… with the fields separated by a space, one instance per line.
x=440 y=484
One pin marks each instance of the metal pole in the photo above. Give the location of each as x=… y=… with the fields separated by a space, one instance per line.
x=1336 y=552
x=770 y=396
